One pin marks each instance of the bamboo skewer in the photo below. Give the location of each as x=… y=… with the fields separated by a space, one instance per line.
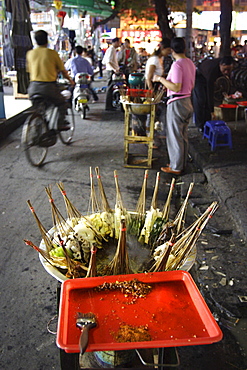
x=93 y=201
x=92 y=271
x=44 y=234
x=186 y=242
x=160 y=264
x=72 y=211
x=180 y=218
x=103 y=199
x=75 y=268
x=167 y=206
x=155 y=193
x=120 y=211
x=59 y=221
x=120 y=263
x=119 y=199
x=141 y=204
x=182 y=244
x=174 y=244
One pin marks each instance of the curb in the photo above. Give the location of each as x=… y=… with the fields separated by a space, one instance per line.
x=228 y=188
x=11 y=124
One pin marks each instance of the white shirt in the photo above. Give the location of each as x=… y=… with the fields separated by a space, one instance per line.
x=157 y=62
x=110 y=59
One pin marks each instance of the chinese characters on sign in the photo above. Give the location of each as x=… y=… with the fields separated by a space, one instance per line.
x=138 y=36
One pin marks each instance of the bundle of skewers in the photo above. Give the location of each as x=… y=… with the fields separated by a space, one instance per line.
x=71 y=245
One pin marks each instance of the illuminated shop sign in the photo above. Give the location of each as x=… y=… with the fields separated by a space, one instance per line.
x=138 y=35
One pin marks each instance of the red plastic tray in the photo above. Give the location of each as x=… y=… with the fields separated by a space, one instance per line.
x=228 y=106
x=175 y=312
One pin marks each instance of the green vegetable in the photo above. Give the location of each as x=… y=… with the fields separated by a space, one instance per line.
x=58 y=252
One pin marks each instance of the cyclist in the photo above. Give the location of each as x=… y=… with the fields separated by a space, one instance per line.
x=44 y=65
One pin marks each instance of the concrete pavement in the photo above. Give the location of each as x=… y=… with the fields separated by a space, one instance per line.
x=99 y=141
x=226 y=171
x=224 y=168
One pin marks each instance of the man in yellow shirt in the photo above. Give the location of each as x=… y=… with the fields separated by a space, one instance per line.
x=43 y=65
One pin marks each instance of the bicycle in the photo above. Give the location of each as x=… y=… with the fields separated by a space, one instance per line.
x=40 y=129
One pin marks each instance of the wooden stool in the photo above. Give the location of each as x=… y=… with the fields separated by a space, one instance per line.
x=131 y=138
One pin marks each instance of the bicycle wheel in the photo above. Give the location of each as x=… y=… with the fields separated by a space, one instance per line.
x=221 y=86
x=66 y=136
x=34 y=127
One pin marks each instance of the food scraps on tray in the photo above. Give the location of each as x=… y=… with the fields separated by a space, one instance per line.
x=134 y=288
x=129 y=333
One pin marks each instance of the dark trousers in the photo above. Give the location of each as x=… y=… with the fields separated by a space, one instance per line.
x=100 y=68
x=109 y=90
x=202 y=109
x=51 y=91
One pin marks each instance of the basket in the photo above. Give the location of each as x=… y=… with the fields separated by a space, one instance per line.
x=136 y=108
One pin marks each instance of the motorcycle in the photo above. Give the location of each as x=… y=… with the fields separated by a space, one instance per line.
x=113 y=93
x=82 y=93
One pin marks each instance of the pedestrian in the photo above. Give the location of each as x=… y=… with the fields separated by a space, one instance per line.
x=110 y=59
x=216 y=50
x=100 y=56
x=143 y=57
x=111 y=63
x=179 y=84
x=91 y=54
x=244 y=49
x=80 y=64
x=208 y=71
x=154 y=64
x=67 y=64
x=44 y=65
x=128 y=59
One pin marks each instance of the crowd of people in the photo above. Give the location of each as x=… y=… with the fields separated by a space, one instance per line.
x=188 y=89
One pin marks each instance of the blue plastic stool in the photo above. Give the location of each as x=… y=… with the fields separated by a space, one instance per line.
x=210 y=125
x=220 y=136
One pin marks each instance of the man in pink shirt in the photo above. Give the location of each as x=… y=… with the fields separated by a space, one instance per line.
x=179 y=83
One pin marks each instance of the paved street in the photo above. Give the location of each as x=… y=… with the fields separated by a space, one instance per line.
x=28 y=293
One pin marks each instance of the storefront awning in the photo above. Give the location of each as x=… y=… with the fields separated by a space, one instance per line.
x=94 y=7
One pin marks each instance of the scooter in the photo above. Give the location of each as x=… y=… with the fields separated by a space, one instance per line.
x=82 y=93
